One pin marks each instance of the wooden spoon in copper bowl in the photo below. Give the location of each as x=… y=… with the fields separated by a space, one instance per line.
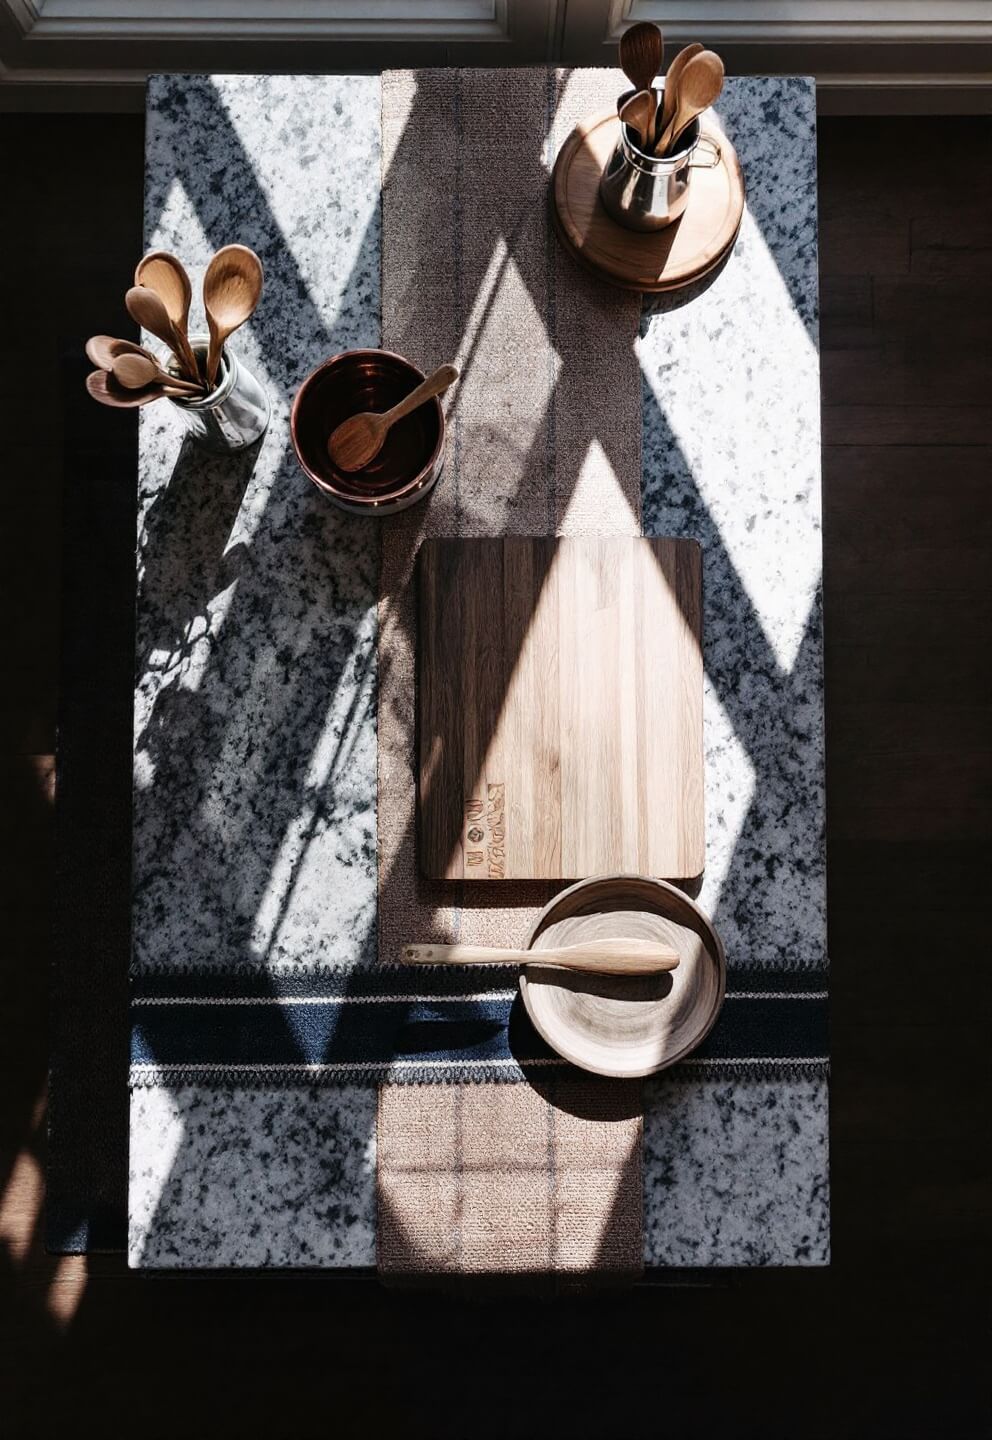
x=357 y=441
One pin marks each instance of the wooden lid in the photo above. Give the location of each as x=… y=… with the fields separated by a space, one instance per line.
x=661 y=260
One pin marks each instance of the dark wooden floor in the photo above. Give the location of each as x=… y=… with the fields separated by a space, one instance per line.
x=890 y=1344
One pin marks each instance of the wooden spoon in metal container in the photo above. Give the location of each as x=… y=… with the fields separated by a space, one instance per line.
x=134 y=372
x=357 y=441
x=670 y=94
x=163 y=273
x=103 y=350
x=105 y=389
x=638 y=113
x=597 y=957
x=147 y=309
x=699 y=85
x=232 y=288
x=641 y=50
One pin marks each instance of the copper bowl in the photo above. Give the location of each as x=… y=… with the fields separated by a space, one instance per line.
x=409 y=463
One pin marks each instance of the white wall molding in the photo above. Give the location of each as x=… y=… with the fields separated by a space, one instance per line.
x=23 y=14
x=189 y=21
x=791 y=22
x=866 y=55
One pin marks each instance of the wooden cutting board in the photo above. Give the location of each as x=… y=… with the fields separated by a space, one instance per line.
x=559 y=707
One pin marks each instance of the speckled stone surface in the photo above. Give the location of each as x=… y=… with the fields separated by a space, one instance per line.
x=731 y=456
x=735 y=1172
x=254 y=736
x=254 y=732
x=224 y=1177
x=254 y=710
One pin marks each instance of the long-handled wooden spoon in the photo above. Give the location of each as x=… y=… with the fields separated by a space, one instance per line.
x=670 y=93
x=232 y=287
x=699 y=85
x=104 y=387
x=638 y=113
x=134 y=372
x=599 y=957
x=358 y=440
x=641 y=51
x=163 y=273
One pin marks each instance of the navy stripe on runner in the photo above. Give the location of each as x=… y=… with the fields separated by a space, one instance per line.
x=405 y=1022
x=441 y=980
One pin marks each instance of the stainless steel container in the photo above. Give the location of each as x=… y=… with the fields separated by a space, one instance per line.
x=235 y=413
x=648 y=192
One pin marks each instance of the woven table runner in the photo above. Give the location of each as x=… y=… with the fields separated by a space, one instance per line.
x=544 y=439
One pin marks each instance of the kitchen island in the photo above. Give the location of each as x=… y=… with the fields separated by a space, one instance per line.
x=255 y=737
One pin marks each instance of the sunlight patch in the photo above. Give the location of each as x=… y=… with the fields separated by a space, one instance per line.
x=597 y=504
x=155 y=1145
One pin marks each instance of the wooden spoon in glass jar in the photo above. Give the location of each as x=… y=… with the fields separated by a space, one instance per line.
x=357 y=441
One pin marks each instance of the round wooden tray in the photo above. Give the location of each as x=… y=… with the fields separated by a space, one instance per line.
x=664 y=259
x=626 y=1026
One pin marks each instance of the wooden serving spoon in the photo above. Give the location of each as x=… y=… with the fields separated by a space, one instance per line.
x=134 y=372
x=598 y=957
x=638 y=113
x=670 y=93
x=232 y=288
x=357 y=441
x=104 y=387
x=699 y=85
x=163 y=273
x=641 y=51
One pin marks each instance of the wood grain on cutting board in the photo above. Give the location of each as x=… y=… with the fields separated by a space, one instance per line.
x=560 y=688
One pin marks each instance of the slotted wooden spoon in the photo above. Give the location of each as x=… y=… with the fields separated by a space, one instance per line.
x=597 y=957
x=357 y=441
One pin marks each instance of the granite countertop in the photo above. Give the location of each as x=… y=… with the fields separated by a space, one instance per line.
x=255 y=841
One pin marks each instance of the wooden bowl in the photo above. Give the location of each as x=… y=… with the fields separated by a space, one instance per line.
x=409 y=463
x=617 y=1025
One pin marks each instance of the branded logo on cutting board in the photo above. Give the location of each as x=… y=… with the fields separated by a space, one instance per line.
x=485 y=837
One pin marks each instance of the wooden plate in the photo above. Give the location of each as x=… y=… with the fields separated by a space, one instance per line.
x=664 y=259
x=626 y=1026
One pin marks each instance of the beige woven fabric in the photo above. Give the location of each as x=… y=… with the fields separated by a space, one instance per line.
x=544 y=424
x=544 y=438
x=510 y=1179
